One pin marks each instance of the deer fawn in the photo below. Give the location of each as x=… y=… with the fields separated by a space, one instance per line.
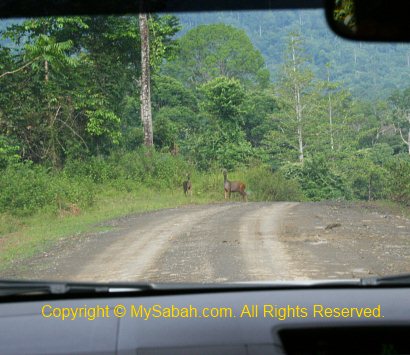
x=234 y=186
x=187 y=184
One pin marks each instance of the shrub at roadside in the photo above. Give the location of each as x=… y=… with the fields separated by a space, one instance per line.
x=400 y=180
x=27 y=188
x=149 y=168
x=263 y=185
x=317 y=180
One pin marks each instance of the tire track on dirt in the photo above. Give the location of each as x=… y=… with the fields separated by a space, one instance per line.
x=227 y=242
x=240 y=243
x=208 y=251
x=133 y=257
x=267 y=258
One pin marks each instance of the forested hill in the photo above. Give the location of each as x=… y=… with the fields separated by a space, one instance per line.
x=369 y=70
x=70 y=110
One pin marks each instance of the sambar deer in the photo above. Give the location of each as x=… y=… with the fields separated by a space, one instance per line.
x=187 y=185
x=234 y=186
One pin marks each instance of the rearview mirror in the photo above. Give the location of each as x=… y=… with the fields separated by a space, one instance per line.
x=370 y=20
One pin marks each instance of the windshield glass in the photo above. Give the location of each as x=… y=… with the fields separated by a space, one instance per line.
x=201 y=147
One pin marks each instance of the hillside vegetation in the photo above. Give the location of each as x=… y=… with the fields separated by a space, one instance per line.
x=369 y=70
x=274 y=98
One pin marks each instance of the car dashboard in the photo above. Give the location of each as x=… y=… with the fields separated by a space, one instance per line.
x=333 y=320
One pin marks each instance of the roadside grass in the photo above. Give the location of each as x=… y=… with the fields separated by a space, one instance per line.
x=25 y=236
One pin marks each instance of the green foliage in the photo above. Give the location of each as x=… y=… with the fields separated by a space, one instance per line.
x=166 y=131
x=167 y=91
x=182 y=117
x=264 y=185
x=399 y=180
x=24 y=189
x=258 y=110
x=68 y=192
x=223 y=98
x=70 y=101
x=367 y=179
x=400 y=104
x=132 y=138
x=102 y=122
x=210 y=51
x=9 y=152
x=74 y=83
x=318 y=181
x=218 y=148
x=297 y=93
x=48 y=49
x=278 y=148
x=96 y=169
x=27 y=188
x=162 y=29
x=370 y=70
x=141 y=168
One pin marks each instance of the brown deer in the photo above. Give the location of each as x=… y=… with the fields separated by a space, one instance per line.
x=234 y=186
x=187 y=185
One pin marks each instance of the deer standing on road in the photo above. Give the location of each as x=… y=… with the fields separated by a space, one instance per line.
x=234 y=186
x=187 y=185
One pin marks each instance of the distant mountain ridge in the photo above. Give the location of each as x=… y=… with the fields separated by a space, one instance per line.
x=369 y=70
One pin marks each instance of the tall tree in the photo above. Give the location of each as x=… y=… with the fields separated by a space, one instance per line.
x=146 y=115
x=218 y=50
x=333 y=115
x=39 y=41
x=401 y=113
x=296 y=86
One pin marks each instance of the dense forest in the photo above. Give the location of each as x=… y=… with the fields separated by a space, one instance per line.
x=275 y=97
x=369 y=70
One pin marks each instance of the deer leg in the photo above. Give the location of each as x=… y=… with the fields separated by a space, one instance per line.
x=243 y=194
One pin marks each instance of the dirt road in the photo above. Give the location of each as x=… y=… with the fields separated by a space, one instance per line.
x=233 y=242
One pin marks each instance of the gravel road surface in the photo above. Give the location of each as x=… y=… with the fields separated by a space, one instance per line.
x=232 y=242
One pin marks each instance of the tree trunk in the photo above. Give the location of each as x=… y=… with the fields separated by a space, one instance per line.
x=54 y=153
x=299 y=120
x=146 y=115
x=298 y=107
x=330 y=114
x=408 y=141
x=46 y=70
x=52 y=150
x=332 y=145
x=369 y=197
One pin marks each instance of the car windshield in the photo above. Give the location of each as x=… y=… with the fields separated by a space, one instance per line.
x=201 y=147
